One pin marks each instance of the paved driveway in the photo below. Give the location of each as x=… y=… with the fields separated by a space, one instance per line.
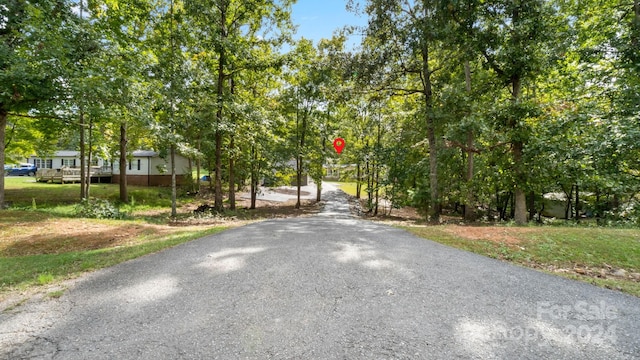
x=324 y=287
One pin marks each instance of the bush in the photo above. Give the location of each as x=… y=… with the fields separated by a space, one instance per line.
x=98 y=209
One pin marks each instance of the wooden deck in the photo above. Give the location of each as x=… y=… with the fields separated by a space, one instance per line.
x=72 y=175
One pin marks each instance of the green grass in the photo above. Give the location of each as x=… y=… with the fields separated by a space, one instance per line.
x=33 y=270
x=22 y=192
x=558 y=247
x=32 y=203
x=348 y=187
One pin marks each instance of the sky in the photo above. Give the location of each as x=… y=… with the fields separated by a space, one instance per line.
x=317 y=19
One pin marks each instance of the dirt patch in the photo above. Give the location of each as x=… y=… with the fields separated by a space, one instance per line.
x=62 y=235
x=496 y=234
x=69 y=235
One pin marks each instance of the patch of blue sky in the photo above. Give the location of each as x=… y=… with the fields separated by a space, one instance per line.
x=320 y=19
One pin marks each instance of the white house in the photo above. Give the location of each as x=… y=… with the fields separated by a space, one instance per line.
x=64 y=158
x=147 y=168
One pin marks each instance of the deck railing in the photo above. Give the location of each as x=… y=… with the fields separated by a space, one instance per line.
x=69 y=175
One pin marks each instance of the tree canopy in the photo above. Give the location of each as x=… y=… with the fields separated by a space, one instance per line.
x=472 y=108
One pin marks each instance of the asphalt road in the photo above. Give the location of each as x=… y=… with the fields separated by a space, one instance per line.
x=324 y=287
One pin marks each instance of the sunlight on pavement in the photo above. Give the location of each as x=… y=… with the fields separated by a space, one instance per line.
x=353 y=253
x=149 y=291
x=228 y=260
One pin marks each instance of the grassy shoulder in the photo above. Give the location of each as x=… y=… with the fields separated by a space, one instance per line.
x=604 y=257
x=37 y=261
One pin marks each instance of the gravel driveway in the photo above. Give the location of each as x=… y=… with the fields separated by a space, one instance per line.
x=323 y=287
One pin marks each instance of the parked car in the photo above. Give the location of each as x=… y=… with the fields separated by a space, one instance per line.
x=23 y=169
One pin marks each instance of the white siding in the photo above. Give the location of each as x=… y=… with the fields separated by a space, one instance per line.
x=153 y=166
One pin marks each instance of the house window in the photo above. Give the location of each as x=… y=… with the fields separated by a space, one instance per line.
x=69 y=162
x=43 y=164
x=138 y=165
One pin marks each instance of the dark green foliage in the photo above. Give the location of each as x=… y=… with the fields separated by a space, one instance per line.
x=98 y=209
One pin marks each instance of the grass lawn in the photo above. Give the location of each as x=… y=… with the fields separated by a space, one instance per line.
x=606 y=257
x=42 y=242
x=24 y=192
x=602 y=256
x=38 y=262
x=350 y=188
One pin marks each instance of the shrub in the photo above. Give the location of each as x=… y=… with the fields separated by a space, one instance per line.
x=98 y=209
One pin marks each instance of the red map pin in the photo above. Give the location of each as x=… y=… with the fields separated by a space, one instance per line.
x=338 y=144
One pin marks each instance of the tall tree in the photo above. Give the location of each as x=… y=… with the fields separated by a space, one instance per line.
x=222 y=27
x=30 y=59
x=402 y=42
x=120 y=77
x=513 y=38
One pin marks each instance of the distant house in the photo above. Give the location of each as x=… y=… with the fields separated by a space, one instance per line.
x=64 y=159
x=147 y=168
x=337 y=172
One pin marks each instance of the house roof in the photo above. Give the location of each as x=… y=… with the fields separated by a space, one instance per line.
x=144 y=153
x=66 y=153
x=75 y=154
x=61 y=153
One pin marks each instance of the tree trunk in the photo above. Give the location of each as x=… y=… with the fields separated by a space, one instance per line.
x=319 y=191
x=577 y=203
x=232 y=178
x=174 y=211
x=434 y=211
x=298 y=179
x=222 y=58
x=254 y=176
x=369 y=182
x=87 y=190
x=520 y=214
x=319 y=183
x=299 y=159
x=377 y=187
x=376 y=168
x=124 y=197
x=198 y=166
x=469 y=208
x=567 y=210
x=358 y=180
x=3 y=131
x=83 y=165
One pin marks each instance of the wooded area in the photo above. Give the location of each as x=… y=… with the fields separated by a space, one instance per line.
x=471 y=107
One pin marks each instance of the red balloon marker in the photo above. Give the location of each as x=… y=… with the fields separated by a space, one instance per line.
x=338 y=144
